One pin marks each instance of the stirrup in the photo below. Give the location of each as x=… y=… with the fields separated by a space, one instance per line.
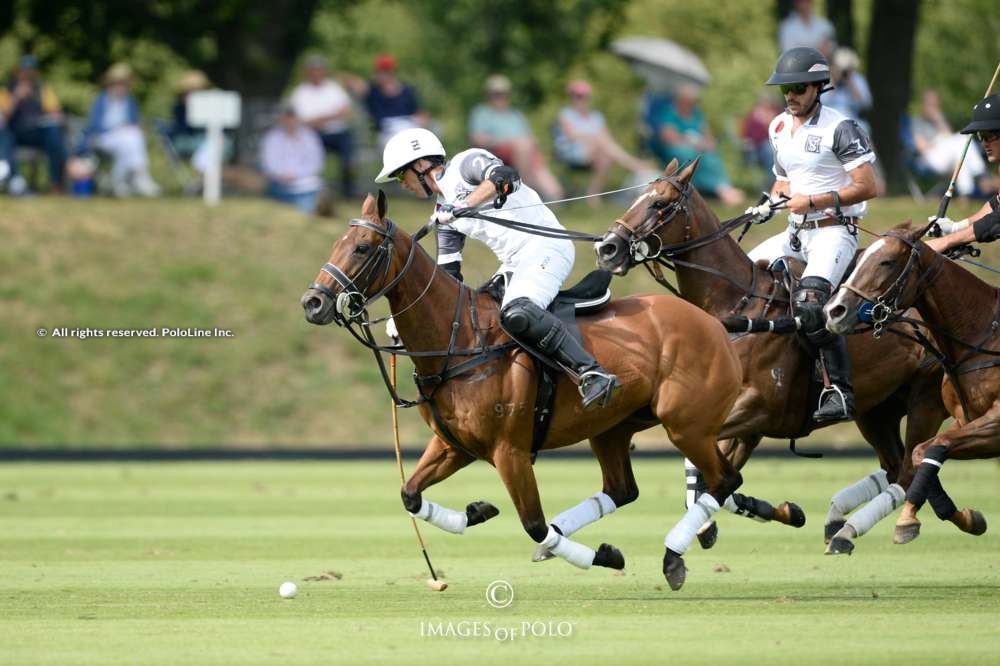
x=602 y=398
x=846 y=411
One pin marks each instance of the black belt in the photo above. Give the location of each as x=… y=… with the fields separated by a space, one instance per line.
x=825 y=222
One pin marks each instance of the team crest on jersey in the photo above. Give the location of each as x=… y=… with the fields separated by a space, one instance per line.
x=812 y=143
x=781 y=126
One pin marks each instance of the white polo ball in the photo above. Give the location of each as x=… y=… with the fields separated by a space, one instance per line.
x=288 y=590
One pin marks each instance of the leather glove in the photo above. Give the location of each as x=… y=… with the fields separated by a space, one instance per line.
x=948 y=226
x=445 y=213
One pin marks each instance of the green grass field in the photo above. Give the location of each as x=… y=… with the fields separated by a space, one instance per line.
x=180 y=564
x=242 y=266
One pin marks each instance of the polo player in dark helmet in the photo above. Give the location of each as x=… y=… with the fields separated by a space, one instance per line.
x=823 y=163
x=983 y=226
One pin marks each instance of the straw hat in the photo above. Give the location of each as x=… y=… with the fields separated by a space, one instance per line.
x=119 y=72
x=497 y=84
x=191 y=80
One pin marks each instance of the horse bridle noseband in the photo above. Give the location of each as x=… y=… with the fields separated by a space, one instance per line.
x=351 y=303
x=637 y=237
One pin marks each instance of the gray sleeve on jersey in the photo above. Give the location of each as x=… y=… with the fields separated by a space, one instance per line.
x=850 y=142
x=450 y=242
x=778 y=169
x=474 y=166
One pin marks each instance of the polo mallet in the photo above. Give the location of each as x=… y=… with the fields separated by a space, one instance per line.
x=432 y=582
x=946 y=199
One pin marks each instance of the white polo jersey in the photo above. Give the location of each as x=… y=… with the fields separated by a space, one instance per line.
x=464 y=173
x=816 y=158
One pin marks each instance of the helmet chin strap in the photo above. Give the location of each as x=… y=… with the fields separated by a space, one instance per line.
x=422 y=177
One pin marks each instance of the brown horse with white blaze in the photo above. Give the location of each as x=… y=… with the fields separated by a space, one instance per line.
x=892 y=376
x=676 y=366
x=961 y=312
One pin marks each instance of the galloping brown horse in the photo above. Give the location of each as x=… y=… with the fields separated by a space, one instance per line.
x=962 y=313
x=891 y=376
x=676 y=365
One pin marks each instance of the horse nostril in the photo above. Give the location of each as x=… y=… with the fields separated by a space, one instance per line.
x=837 y=311
x=607 y=250
x=314 y=304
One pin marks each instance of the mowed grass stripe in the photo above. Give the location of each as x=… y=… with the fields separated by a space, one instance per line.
x=180 y=563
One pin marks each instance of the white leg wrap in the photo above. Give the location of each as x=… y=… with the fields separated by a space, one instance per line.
x=683 y=533
x=575 y=553
x=447 y=519
x=586 y=512
x=730 y=505
x=885 y=503
x=856 y=494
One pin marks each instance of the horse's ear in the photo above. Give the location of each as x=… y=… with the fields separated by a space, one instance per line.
x=922 y=231
x=368 y=208
x=689 y=170
x=671 y=168
x=382 y=205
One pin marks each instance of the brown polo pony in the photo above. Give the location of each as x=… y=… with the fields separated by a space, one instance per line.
x=676 y=365
x=891 y=376
x=962 y=315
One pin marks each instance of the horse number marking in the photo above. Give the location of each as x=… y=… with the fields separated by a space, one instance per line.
x=502 y=409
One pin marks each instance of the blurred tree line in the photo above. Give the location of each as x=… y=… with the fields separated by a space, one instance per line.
x=447 y=47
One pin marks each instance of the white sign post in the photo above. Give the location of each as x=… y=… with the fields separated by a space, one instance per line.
x=215 y=110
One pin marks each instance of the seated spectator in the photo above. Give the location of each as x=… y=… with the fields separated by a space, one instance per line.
x=757 y=149
x=188 y=141
x=392 y=105
x=322 y=104
x=113 y=129
x=504 y=131
x=32 y=117
x=680 y=132
x=291 y=157
x=804 y=28
x=851 y=94
x=939 y=148
x=582 y=140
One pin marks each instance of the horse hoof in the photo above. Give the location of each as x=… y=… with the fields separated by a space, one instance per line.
x=796 y=516
x=541 y=554
x=609 y=556
x=906 y=533
x=674 y=570
x=480 y=512
x=840 y=546
x=830 y=530
x=977 y=522
x=708 y=535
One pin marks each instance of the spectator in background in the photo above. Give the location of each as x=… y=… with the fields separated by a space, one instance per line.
x=804 y=28
x=757 y=149
x=113 y=129
x=33 y=117
x=392 y=105
x=291 y=157
x=851 y=94
x=582 y=140
x=939 y=148
x=681 y=133
x=504 y=131
x=322 y=104
x=188 y=141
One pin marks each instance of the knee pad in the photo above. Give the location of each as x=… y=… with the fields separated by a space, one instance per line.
x=525 y=320
x=810 y=297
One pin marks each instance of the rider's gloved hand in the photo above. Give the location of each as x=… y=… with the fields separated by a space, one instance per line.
x=445 y=213
x=946 y=225
x=763 y=211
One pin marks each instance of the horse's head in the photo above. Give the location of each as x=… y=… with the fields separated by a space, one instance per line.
x=887 y=275
x=649 y=223
x=358 y=270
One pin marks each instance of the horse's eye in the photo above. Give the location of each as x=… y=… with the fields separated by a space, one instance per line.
x=362 y=249
x=660 y=204
x=886 y=264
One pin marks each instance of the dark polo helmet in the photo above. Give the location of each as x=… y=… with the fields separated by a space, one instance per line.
x=985 y=115
x=800 y=65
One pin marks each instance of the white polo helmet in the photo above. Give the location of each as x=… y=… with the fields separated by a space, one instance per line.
x=405 y=147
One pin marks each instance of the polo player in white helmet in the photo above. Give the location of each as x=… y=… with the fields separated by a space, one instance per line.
x=536 y=266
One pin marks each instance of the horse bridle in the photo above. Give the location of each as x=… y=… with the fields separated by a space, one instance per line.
x=351 y=303
x=637 y=236
x=889 y=302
